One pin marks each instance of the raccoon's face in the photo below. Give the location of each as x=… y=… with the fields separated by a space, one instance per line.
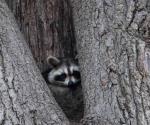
x=64 y=73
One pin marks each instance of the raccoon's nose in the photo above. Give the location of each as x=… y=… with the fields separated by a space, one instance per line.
x=70 y=83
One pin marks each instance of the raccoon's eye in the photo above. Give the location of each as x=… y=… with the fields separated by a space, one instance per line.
x=60 y=77
x=76 y=74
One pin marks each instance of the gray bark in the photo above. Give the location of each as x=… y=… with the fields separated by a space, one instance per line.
x=24 y=96
x=47 y=27
x=112 y=38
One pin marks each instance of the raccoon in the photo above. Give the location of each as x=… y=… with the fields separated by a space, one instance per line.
x=64 y=80
x=64 y=72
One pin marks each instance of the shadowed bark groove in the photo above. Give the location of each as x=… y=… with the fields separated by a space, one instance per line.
x=24 y=96
x=113 y=47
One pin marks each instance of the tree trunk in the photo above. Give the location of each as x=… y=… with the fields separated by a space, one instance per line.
x=112 y=42
x=47 y=26
x=24 y=96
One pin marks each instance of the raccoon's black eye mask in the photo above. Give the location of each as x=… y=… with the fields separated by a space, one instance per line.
x=60 y=77
x=76 y=74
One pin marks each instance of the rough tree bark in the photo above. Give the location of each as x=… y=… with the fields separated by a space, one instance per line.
x=24 y=96
x=112 y=41
x=47 y=27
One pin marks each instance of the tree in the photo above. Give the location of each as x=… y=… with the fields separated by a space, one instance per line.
x=24 y=96
x=112 y=42
x=47 y=26
x=113 y=47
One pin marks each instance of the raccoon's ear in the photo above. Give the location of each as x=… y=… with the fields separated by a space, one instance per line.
x=53 y=61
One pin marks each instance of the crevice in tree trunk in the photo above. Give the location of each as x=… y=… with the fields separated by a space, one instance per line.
x=48 y=28
x=69 y=99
